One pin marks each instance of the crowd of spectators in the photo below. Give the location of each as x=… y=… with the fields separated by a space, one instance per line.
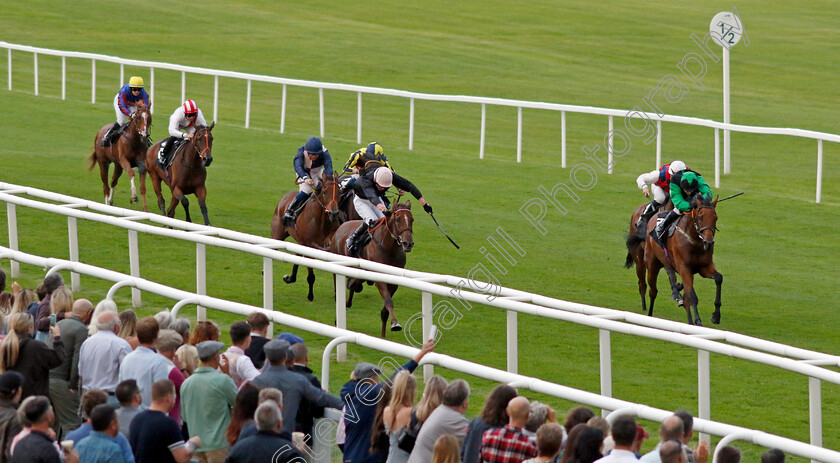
x=85 y=384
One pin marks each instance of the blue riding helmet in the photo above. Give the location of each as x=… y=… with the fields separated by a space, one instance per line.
x=313 y=145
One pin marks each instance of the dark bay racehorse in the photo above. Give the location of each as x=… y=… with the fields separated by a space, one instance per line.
x=636 y=255
x=315 y=224
x=126 y=153
x=186 y=174
x=690 y=251
x=391 y=238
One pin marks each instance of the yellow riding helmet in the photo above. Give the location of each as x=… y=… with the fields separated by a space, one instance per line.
x=136 y=81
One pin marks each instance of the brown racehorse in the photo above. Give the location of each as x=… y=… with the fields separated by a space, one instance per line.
x=690 y=251
x=636 y=255
x=127 y=152
x=391 y=238
x=315 y=224
x=186 y=173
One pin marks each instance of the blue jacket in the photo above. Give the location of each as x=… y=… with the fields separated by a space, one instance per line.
x=295 y=387
x=126 y=99
x=361 y=405
x=323 y=160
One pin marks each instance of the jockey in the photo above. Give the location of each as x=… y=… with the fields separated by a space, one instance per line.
x=130 y=97
x=683 y=186
x=182 y=124
x=359 y=160
x=370 y=201
x=310 y=161
x=659 y=180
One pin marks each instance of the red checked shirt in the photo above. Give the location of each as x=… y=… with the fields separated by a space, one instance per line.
x=507 y=445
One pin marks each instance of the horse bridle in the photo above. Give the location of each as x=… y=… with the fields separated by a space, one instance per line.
x=206 y=144
x=695 y=216
x=398 y=236
x=333 y=200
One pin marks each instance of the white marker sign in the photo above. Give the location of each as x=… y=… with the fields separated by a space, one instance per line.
x=726 y=29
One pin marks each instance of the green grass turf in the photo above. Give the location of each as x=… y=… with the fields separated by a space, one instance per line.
x=776 y=249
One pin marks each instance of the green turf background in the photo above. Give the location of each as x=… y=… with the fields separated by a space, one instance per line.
x=776 y=248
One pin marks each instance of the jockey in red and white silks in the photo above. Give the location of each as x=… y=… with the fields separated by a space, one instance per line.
x=659 y=181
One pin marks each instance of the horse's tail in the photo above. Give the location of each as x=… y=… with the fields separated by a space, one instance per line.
x=633 y=242
x=92 y=160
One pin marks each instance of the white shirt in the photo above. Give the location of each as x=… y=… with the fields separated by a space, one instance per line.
x=145 y=366
x=652 y=456
x=619 y=456
x=243 y=369
x=178 y=121
x=647 y=179
x=99 y=360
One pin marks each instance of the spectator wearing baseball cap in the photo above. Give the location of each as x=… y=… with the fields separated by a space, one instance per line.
x=11 y=390
x=206 y=400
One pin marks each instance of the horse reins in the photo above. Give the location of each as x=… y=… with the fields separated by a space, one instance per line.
x=396 y=237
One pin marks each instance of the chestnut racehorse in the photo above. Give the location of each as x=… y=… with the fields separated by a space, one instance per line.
x=315 y=224
x=186 y=174
x=391 y=238
x=690 y=251
x=127 y=152
x=636 y=255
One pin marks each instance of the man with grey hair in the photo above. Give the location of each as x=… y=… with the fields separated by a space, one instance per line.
x=294 y=386
x=670 y=429
x=164 y=319
x=270 y=444
x=448 y=418
x=671 y=451
x=64 y=379
x=100 y=357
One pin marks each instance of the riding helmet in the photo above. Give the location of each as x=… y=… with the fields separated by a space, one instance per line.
x=676 y=166
x=383 y=177
x=375 y=149
x=136 y=82
x=689 y=182
x=313 y=146
x=190 y=107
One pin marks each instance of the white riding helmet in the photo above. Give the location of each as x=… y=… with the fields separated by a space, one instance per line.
x=383 y=177
x=676 y=166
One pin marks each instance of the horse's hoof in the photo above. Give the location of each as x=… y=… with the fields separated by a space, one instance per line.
x=680 y=303
x=310 y=297
x=680 y=286
x=698 y=322
x=396 y=327
x=715 y=320
x=133 y=200
x=288 y=279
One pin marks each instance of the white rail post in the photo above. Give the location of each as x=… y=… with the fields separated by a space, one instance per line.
x=428 y=321
x=11 y=217
x=819 y=170
x=183 y=86
x=519 y=134
x=321 y=109
x=717 y=158
x=35 y=60
x=411 y=125
x=216 y=98
x=815 y=408
x=512 y=343
x=610 y=161
x=201 y=278
x=73 y=236
x=726 y=165
x=268 y=290
x=606 y=365
x=134 y=265
x=658 y=144
x=359 y=117
x=283 y=111
x=483 y=129
x=10 y=69
x=340 y=314
x=63 y=77
x=93 y=81
x=704 y=401
x=152 y=88
x=563 y=139
x=122 y=75
x=248 y=106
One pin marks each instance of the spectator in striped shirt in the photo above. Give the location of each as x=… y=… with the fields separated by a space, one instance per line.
x=510 y=444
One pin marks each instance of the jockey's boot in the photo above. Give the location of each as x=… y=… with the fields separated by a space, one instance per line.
x=110 y=135
x=354 y=240
x=659 y=232
x=651 y=209
x=290 y=217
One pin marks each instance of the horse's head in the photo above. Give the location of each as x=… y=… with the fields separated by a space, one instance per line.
x=401 y=224
x=328 y=197
x=203 y=142
x=141 y=122
x=705 y=221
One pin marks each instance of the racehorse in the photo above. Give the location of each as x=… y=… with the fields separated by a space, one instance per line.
x=186 y=173
x=126 y=153
x=315 y=224
x=690 y=251
x=636 y=255
x=391 y=238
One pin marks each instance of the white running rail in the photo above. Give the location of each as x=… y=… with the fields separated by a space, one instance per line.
x=412 y=96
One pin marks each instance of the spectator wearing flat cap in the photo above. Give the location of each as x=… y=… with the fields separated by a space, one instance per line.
x=11 y=390
x=206 y=400
x=294 y=386
x=361 y=396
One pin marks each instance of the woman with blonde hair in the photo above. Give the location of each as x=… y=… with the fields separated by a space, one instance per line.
x=188 y=354
x=398 y=414
x=105 y=305
x=31 y=358
x=430 y=400
x=23 y=299
x=446 y=450
x=128 y=328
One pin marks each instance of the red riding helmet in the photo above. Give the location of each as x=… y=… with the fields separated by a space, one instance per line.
x=190 y=107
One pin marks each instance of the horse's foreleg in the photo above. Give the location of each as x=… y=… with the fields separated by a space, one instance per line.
x=711 y=272
x=143 y=189
x=186 y=204
x=640 y=274
x=103 y=174
x=201 y=195
x=158 y=193
x=652 y=275
x=690 y=297
x=173 y=203
x=293 y=277
x=311 y=280
x=675 y=290
x=385 y=292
